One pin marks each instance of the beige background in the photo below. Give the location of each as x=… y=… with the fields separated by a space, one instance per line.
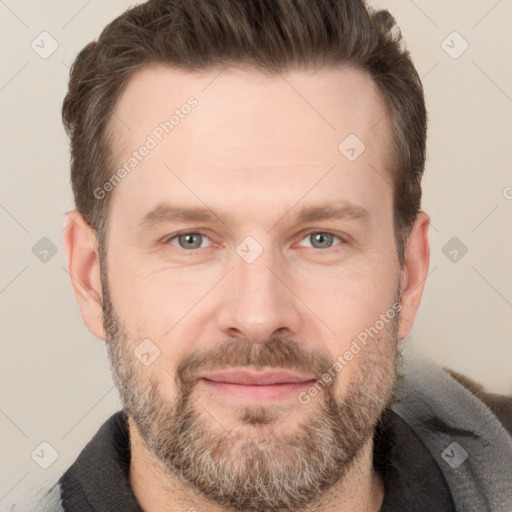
x=55 y=379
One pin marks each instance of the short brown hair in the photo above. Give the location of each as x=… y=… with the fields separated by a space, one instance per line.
x=271 y=35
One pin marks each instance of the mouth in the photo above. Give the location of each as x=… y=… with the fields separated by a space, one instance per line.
x=256 y=387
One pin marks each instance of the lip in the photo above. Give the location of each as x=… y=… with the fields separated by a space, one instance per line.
x=262 y=378
x=256 y=387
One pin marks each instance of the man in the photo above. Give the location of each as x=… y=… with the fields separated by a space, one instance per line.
x=259 y=369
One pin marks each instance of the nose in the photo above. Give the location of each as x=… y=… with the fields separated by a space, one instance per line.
x=260 y=299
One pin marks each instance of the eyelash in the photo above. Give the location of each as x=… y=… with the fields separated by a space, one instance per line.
x=167 y=240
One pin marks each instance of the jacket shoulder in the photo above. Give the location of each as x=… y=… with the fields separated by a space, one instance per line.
x=500 y=405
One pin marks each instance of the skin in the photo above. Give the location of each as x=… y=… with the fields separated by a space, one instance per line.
x=254 y=151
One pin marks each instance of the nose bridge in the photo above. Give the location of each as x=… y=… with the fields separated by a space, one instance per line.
x=258 y=302
x=255 y=270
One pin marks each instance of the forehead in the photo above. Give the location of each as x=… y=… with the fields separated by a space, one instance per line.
x=251 y=130
x=330 y=100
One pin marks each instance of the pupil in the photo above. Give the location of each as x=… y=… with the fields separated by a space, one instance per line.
x=189 y=239
x=321 y=238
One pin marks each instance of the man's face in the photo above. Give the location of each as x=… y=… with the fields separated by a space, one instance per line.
x=257 y=288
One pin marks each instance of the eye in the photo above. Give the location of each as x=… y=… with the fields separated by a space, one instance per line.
x=190 y=240
x=321 y=239
x=194 y=240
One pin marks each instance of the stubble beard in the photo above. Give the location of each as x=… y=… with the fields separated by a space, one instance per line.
x=256 y=466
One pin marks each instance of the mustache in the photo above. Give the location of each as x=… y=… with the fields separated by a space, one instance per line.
x=275 y=353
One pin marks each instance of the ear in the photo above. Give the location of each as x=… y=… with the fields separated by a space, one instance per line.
x=414 y=273
x=84 y=268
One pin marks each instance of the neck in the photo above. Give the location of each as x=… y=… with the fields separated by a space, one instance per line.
x=361 y=490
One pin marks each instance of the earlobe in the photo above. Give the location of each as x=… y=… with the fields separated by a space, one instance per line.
x=84 y=268
x=414 y=273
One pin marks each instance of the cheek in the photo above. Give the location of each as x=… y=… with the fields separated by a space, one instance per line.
x=359 y=307
x=161 y=307
x=148 y=300
x=344 y=296
x=352 y=298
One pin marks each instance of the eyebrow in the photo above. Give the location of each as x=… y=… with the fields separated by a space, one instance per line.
x=168 y=213
x=339 y=211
